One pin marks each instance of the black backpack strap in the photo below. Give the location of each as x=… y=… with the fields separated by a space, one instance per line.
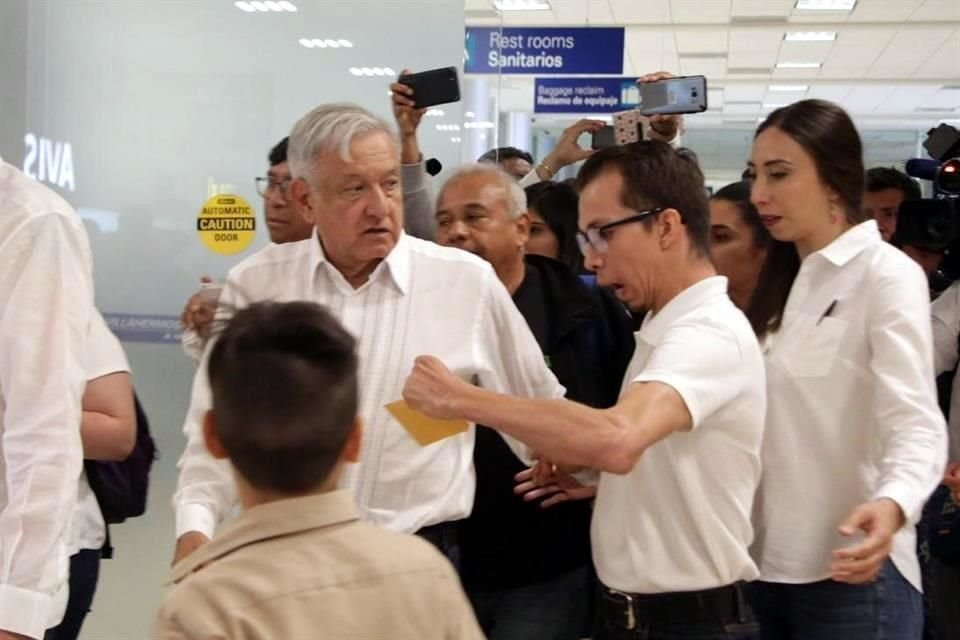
x=106 y=551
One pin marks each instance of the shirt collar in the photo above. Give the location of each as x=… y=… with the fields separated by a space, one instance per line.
x=397 y=262
x=656 y=325
x=271 y=520
x=851 y=242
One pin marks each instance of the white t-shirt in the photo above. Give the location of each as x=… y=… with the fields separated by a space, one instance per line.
x=680 y=520
x=104 y=356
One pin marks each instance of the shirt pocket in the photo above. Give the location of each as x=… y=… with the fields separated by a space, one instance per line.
x=812 y=350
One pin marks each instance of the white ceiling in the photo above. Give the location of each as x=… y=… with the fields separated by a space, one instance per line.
x=894 y=63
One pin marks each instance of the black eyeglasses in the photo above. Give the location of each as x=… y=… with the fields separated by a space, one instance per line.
x=596 y=237
x=265 y=184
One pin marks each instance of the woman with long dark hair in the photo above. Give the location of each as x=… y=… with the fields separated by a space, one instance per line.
x=552 y=207
x=854 y=441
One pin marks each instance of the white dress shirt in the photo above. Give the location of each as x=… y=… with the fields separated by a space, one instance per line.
x=46 y=297
x=680 y=520
x=853 y=413
x=105 y=356
x=946 y=347
x=422 y=299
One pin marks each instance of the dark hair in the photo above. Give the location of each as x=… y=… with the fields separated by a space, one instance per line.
x=557 y=205
x=655 y=175
x=278 y=155
x=738 y=194
x=284 y=384
x=690 y=154
x=768 y=300
x=500 y=154
x=827 y=133
x=880 y=178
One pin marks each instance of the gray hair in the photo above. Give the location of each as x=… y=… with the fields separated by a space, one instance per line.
x=330 y=127
x=516 y=196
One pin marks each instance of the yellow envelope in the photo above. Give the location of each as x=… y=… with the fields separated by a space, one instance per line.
x=423 y=428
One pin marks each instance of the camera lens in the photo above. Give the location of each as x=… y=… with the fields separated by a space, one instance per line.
x=948 y=177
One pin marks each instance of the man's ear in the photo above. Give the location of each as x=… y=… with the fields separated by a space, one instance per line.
x=523 y=228
x=351 y=448
x=300 y=199
x=670 y=225
x=211 y=438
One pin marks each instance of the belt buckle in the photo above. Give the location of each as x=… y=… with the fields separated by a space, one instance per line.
x=631 y=616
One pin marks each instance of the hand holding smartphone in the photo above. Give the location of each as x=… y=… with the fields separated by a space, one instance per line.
x=433 y=87
x=673 y=96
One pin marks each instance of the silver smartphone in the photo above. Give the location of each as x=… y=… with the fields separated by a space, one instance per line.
x=687 y=94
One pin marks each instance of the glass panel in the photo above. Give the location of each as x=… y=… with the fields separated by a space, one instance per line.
x=137 y=112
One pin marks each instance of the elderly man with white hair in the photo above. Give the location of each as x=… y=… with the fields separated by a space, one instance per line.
x=400 y=297
x=525 y=563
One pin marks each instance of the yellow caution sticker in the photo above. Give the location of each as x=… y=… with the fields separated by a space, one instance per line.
x=226 y=224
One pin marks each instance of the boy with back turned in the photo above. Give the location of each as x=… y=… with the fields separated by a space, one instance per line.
x=298 y=563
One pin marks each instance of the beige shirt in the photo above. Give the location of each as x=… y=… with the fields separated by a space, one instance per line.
x=307 y=568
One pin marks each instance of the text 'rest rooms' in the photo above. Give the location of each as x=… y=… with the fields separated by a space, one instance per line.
x=517 y=58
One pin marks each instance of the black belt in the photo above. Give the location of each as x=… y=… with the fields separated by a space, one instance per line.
x=630 y=610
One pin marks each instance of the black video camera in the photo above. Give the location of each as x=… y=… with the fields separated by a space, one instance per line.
x=934 y=223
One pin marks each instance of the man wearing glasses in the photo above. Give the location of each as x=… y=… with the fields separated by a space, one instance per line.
x=679 y=453
x=284 y=224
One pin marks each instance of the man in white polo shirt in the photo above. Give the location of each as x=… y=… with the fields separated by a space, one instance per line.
x=680 y=452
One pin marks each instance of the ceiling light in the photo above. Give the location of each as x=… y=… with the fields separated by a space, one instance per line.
x=470 y=114
x=373 y=71
x=306 y=42
x=798 y=65
x=455 y=139
x=825 y=5
x=787 y=87
x=434 y=113
x=265 y=6
x=767 y=105
x=345 y=43
x=810 y=36
x=521 y=5
x=317 y=42
x=333 y=44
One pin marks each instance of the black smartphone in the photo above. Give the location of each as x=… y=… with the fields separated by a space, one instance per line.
x=604 y=137
x=672 y=96
x=437 y=86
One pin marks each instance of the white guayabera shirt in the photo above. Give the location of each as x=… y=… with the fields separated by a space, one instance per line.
x=423 y=299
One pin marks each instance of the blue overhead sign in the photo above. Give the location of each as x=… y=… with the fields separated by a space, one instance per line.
x=585 y=95
x=544 y=50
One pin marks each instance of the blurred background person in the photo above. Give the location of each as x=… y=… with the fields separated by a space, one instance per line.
x=759 y=268
x=552 y=208
x=887 y=188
